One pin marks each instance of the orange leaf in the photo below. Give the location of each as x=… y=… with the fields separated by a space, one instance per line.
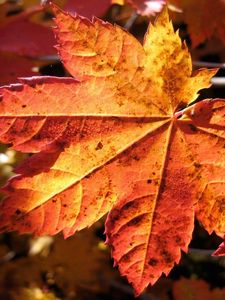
x=115 y=138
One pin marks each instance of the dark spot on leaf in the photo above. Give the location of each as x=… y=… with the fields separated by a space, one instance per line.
x=197 y=165
x=167 y=256
x=149 y=181
x=178 y=240
x=140 y=68
x=135 y=157
x=127 y=205
x=153 y=262
x=131 y=204
x=163 y=185
x=24 y=105
x=18 y=212
x=135 y=220
x=99 y=146
x=108 y=194
x=126 y=258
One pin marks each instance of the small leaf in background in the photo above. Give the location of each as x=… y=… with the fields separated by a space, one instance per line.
x=196 y=289
x=204 y=18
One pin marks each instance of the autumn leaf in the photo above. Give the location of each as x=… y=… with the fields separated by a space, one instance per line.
x=204 y=18
x=122 y=136
x=189 y=289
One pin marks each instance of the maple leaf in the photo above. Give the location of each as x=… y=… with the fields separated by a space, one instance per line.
x=204 y=19
x=189 y=289
x=115 y=138
x=144 y=7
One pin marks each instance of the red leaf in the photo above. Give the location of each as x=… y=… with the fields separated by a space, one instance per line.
x=21 y=36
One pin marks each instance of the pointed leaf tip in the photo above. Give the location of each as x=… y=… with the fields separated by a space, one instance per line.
x=163 y=16
x=220 y=251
